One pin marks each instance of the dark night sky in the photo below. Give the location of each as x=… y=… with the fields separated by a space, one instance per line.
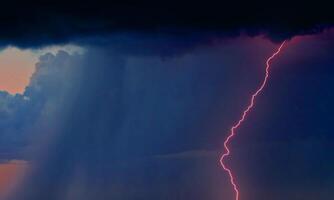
x=143 y=112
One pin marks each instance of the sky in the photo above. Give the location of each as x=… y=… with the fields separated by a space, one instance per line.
x=16 y=68
x=17 y=65
x=150 y=125
x=130 y=102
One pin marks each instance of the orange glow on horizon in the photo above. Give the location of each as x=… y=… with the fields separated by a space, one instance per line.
x=10 y=174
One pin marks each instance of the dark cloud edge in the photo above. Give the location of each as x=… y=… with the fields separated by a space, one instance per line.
x=191 y=36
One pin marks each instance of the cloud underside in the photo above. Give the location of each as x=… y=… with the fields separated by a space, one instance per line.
x=37 y=24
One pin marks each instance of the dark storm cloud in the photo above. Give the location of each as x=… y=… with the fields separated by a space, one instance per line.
x=29 y=24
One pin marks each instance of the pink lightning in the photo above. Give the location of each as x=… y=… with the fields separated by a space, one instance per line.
x=244 y=114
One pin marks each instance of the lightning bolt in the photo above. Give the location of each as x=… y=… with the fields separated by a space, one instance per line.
x=239 y=122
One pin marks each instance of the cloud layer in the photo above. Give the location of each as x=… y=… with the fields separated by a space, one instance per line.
x=31 y=24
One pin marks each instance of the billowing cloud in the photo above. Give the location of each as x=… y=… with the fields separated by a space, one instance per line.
x=20 y=112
